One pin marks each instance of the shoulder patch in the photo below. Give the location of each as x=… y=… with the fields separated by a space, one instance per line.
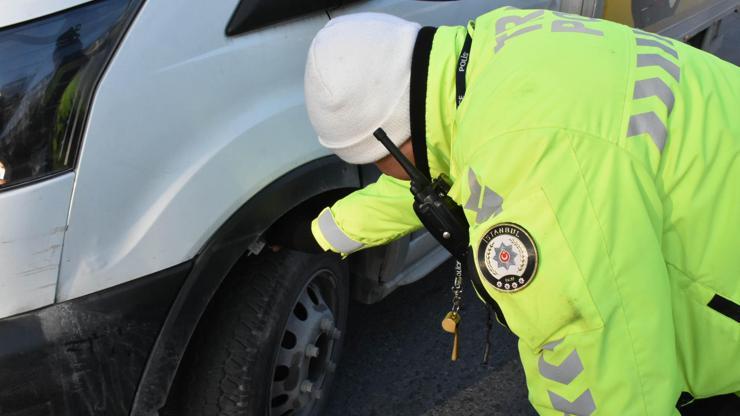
x=507 y=257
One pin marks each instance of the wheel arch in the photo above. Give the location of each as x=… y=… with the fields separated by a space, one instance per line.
x=236 y=237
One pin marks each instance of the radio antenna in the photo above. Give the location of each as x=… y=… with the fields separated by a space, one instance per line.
x=415 y=174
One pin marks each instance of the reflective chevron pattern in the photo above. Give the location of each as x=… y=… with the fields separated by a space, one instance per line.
x=652 y=35
x=582 y=406
x=565 y=373
x=654 y=87
x=654 y=51
x=491 y=204
x=651 y=42
x=651 y=59
x=648 y=123
x=550 y=346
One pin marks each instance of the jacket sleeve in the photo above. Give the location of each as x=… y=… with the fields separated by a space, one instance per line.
x=591 y=301
x=374 y=215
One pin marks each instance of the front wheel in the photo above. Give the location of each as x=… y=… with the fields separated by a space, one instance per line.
x=271 y=340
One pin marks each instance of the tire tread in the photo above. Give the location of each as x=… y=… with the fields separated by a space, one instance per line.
x=218 y=362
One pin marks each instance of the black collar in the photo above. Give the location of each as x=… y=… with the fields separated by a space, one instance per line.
x=418 y=96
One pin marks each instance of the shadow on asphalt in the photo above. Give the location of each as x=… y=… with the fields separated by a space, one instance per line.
x=396 y=359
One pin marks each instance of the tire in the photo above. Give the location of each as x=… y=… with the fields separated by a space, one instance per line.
x=271 y=340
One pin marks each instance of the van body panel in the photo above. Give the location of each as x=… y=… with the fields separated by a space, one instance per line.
x=184 y=132
x=33 y=222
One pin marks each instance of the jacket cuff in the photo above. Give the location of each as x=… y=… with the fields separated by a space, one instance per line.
x=331 y=237
x=320 y=237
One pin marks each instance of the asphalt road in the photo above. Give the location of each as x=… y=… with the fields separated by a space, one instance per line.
x=396 y=357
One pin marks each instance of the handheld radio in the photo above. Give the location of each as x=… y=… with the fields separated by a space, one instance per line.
x=441 y=216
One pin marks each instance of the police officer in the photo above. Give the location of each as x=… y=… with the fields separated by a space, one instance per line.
x=599 y=169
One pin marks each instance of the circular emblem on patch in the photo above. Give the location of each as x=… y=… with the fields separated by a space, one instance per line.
x=507 y=257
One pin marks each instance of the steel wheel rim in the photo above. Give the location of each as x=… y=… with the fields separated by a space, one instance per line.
x=307 y=352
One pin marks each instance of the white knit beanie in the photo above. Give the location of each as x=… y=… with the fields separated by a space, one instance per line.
x=357 y=79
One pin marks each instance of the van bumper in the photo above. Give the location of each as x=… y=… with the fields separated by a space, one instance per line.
x=84 y=356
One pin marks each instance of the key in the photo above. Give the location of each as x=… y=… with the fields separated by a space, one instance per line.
x=451 y=321
x=451 y=324
x=455 y=347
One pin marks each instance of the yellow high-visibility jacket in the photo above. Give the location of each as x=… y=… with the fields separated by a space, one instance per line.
x=599 y=168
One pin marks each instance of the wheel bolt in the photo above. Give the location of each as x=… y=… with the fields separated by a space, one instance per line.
x=312 y=351
x=306 y=386
x=327 y=325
